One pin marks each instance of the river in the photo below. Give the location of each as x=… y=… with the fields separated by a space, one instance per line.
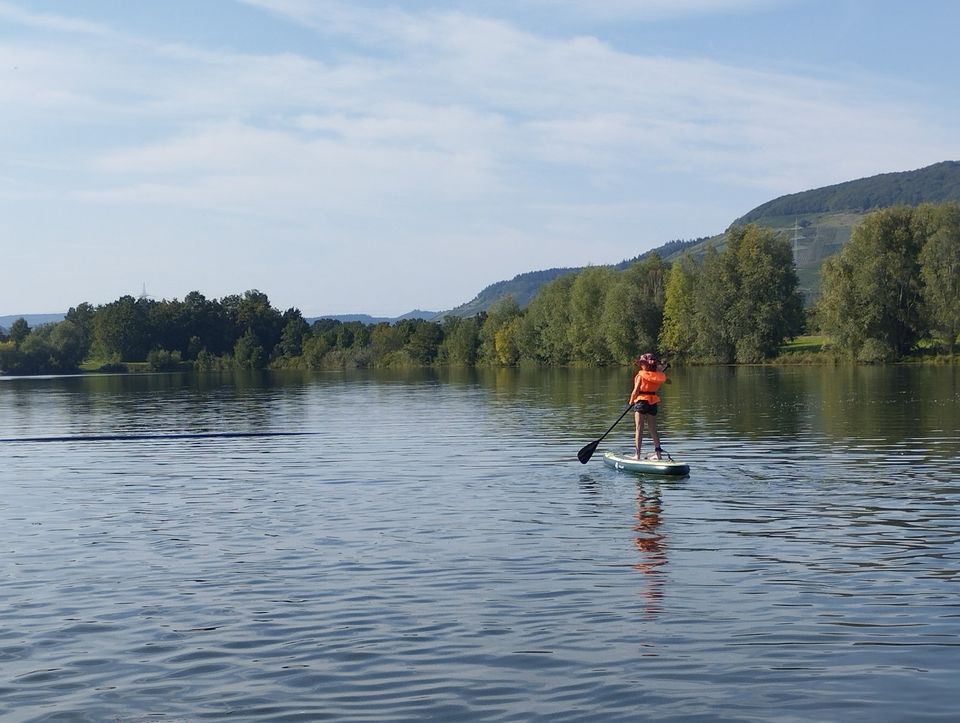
x=424 y=545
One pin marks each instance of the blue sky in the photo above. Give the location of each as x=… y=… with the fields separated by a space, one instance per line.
x=379 y=157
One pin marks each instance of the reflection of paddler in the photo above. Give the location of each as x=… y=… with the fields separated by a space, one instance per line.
x=650 y=543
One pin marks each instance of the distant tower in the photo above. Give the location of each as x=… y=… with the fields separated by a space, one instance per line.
x=144 y=296
x=797 y=238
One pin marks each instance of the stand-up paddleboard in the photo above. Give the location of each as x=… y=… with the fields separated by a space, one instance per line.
x=650 y=466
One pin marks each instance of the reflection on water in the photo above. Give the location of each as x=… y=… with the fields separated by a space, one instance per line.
x=432 y=550
x=651 y=544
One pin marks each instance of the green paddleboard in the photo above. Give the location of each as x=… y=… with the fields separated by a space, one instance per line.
x=651 y=466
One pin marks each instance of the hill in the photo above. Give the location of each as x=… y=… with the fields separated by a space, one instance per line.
x=818 y=222
x=367 y=319
x=933 y=184
x=33 y=320
x=524 y=287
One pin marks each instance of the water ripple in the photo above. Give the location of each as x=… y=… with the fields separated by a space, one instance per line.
x=434 y=551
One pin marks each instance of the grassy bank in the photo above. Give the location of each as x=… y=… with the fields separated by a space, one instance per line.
x=817 y=350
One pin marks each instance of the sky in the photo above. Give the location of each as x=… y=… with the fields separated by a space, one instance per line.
x=379 y=157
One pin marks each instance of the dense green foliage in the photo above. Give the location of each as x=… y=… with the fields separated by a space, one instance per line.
x=240 y=330
x=896 y=282
x=48 y=349
x=739 y=305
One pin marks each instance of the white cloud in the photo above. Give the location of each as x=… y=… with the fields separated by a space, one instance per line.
x=242 y=169
x=435 y=129
x=50 y=21
x=473 y=91
x=347 y=16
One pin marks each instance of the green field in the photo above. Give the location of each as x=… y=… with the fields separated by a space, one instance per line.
x=804 y=345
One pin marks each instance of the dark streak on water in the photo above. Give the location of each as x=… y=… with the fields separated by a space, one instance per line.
x=149 y=437
x=423 y=554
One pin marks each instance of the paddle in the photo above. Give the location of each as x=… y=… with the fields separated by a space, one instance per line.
x=586 y=453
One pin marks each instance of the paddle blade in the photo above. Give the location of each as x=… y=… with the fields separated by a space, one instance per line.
x=586 y=453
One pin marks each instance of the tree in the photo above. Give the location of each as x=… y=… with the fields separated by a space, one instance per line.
x=715 y=328
x=461 y=338
x=506 y=342
x=49 y=349
x=295 y=329
x=385 y=339
x=253 y=312
x=940 y=274
x=8 y=356
x=500 y=315
x=838 y=309
x=584 y=334
x=208 y=323
x=424 y=344
x=678 y=333
x=82 y=315
x=248 y=352
x=315 y=348
x=544 y=333
x=768 y=308
x=633 y=309
x=19 y=331
x=121 y=329
x=872 y=292
x=169 y=326
x=740 y=304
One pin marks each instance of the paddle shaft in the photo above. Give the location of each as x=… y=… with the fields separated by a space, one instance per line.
x=586 y=453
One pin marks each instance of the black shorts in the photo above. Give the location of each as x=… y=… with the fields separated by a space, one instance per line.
x=645 y=407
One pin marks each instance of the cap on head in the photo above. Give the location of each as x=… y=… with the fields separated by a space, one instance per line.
x=650 y=359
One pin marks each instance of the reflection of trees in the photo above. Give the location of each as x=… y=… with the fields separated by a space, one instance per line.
x=889 y=403
x=748 y=401
x=651 y=546
x=237 y=401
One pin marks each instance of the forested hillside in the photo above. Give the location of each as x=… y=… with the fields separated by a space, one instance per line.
x=817 y=224
x=933 y=184
x=524 y=287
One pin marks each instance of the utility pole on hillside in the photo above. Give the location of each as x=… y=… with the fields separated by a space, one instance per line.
x=797 y=238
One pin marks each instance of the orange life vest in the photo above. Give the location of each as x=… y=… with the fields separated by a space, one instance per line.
x=645 y=386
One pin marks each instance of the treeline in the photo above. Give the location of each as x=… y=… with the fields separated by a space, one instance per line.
x=895 y=284
x=596 y=316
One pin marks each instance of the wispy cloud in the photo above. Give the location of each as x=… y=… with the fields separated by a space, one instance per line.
x=464 y=92
x=51 y=21
x=454 y=124
x=333 y=14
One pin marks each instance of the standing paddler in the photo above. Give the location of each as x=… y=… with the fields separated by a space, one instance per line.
x=648 y=379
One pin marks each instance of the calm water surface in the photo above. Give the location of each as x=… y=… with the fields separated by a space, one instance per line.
x=432 y=549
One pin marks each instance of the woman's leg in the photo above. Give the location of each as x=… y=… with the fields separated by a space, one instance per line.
x=654 y=435
x=638 y=434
